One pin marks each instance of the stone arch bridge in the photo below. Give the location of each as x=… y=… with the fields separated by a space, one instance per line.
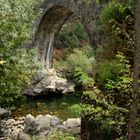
x=55 y=14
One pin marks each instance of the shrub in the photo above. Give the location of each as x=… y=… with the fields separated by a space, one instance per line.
x=110 y=109
x=110 y=118
x=117 y=27
x=76 y=109
x=77 y=59
x=80 y=59
x=58 y=135
x=79 y=31
x=15 y=75
x=83 y=78
x=16 y=22
x=120 y=89
x=111 y=69
x=71 y=34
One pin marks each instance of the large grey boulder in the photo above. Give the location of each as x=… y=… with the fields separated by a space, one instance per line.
x=73 y=122
x=4 y=113
x=47 y=81
x=72 y=125
x=29 y=119
x=39 y=124
x=24 y=136
x=54 y=121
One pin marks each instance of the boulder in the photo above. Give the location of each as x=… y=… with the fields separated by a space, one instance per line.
x=39 y=117
x=54 y=121
x=39 y=124
x=73 y=122
x=29 y=119
x=73 y=126
x=43 y=122
x=49 y=82
x=4 y=113
x=10 y=121
x=23 y=136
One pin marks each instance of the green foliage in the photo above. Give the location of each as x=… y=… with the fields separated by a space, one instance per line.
x=16 y=22
x=78 y=30
x=39 y=138
x=119 y=90
x=76 y=109
x=113 y=10
x=83 y=78
x=78 y=58
x=71 y=34
x=97 y=1
x=110 y=109
x=117 y=25
x=15 y=75
x=106 y=71
x=110 y=117
x=111 y=69
x=58 y=135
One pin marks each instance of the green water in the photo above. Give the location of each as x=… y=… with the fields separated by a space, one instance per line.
x=54 y=105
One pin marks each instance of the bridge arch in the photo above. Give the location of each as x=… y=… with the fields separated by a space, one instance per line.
x=55 y=14
x=47 y=31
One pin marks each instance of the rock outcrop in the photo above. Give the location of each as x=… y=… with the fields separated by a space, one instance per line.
x=46 y=81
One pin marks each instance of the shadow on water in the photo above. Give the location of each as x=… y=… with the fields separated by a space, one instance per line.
x=54 y=104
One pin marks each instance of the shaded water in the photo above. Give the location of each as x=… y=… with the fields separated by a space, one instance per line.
x=54 y=105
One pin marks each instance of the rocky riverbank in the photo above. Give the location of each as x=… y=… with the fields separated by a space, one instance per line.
x=23 y=128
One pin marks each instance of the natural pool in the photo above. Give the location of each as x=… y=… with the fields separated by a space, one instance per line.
x=58 y=105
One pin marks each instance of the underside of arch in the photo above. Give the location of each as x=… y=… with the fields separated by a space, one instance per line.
x=47 y=31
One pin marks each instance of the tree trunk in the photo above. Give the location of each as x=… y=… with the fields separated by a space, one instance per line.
x=132 y=135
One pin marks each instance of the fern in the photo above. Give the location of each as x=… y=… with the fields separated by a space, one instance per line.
x=83 y=78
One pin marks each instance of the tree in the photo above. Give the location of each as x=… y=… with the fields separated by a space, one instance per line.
x=132 y=134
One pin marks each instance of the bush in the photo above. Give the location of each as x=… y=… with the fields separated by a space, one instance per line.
x=120 y=89
x=83 y=78
x=15 y=75
x=111 y=69
x=110 y=109
x=117 y=27
x=110 y=118
x=77 y=59
x=76 y=109
x=112 y=10
x=16 y=22
x=80 y=59
x=71 y=34
x=60 y=136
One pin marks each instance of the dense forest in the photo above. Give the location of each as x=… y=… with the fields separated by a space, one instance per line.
x=105 y=74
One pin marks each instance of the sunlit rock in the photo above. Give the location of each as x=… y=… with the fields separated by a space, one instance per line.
x=29 y=119
x=49 y=83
